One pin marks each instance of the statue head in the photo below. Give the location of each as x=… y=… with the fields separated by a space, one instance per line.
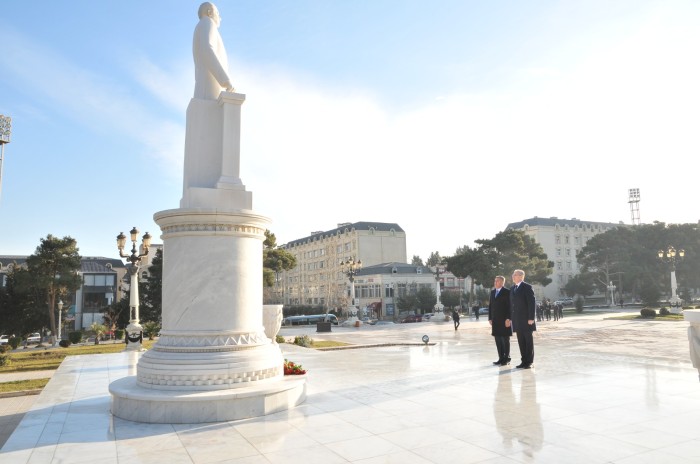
x=209 y=9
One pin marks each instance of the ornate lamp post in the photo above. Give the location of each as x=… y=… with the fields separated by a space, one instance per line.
x=134 y=331
x=438 y=313
x=5 y=132
x=350 y=268
x=611 y=289
x=672 y=255
x=59 y=323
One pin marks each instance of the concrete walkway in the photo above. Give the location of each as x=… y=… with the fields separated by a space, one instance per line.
x=602 y=391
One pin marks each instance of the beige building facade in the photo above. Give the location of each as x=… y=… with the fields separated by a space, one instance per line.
x=561 y=239
x=318 y=279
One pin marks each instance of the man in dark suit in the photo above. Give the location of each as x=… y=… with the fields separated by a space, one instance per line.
x=499 y=318
x=522 y=308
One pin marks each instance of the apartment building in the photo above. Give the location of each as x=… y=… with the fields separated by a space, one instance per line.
x=561 y=239
x=318 y=279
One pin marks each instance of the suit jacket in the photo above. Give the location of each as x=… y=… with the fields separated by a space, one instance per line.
x=210 y=60
x=499 y=311
x=522 y=307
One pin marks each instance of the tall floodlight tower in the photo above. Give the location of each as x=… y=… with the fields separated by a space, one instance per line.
x=5 y=132
x=634 y=205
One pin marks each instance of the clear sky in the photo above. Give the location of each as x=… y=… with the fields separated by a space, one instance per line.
x=450 y=118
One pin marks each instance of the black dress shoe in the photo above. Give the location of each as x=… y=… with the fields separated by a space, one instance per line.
x=505 y=363
x=524 y=366
x=496 y=363
x=520 y=366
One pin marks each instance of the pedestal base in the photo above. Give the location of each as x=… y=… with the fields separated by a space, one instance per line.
x=135 y=403
x=693 y=317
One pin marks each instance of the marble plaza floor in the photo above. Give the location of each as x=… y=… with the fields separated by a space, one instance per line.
x=602 y=391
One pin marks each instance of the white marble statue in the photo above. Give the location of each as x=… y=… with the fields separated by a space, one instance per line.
x=210 y=60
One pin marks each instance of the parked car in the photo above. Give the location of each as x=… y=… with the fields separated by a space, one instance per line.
x=4 y=339
x=483 y=311
x=382 y=323
x=413 y=318
x=427 y=316
x=34 y=338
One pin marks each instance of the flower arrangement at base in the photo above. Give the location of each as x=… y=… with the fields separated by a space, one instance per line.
x=293 y=369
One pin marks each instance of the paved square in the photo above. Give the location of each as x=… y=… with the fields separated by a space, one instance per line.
x=602 y=391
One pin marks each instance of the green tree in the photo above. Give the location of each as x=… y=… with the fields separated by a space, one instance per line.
x=427 y=298
x=580 y=284
x=450 y=298
x=275 y=260
x=151 y=294
x=629 y=257
x=434 y=259
x=514 y=249
x=54 y=270
x=407 y=302
x=501 y=255
x=22 y=307
x=416 y=261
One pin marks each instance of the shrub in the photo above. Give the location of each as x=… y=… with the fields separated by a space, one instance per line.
x=647 y=313
x=4 y=360
x=119 y=334
x=303 y=340
x=664 y=311
x=14 y=342
x=150 y=329
x=75 y=337
x=280 y=339
x=4 y=348
x=578 y=304
x=64 y=343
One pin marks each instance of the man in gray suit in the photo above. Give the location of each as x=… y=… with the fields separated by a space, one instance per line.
x=522 y=305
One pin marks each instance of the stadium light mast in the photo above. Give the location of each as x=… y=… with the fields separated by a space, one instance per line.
x=634 y=205
x=5 y=132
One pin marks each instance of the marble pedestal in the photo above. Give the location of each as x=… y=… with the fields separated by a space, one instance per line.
x=693 y=317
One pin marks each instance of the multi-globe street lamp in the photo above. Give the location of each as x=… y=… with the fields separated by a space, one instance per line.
x=672 y=255
x=611 y=289
x=59 y=306
x=438 y=314
x=350 y=268
x=134 y=331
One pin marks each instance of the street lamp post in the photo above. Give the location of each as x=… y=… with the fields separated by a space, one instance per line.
x=672 y=255
x=350 y=268
x=134 y=331
x=59 y=305
x=5 y=133
x=438 y=313
x=611 y=289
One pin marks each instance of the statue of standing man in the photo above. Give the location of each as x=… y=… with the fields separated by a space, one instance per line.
x=210 y=60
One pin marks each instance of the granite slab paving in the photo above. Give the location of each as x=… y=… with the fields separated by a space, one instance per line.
x=602 y=391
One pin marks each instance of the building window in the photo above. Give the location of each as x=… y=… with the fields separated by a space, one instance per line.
x=566 y=239
x=557 y=240
x=559 y=265
x=577 y=241
x=558 y=251
x=568 y=265
x=568 y=252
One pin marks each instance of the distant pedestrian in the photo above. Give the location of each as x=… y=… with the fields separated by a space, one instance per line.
x=455 y=318
x=476 y=311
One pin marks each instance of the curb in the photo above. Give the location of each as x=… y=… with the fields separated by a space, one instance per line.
x=20 y=393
